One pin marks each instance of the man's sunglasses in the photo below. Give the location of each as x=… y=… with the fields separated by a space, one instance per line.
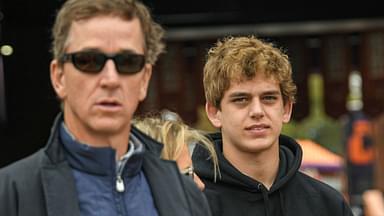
x=93 y=62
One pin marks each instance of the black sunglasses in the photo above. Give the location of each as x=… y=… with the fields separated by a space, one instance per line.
x=93 y=62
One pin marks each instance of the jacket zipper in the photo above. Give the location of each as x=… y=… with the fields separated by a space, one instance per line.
x=120 y=167
x=120 y=184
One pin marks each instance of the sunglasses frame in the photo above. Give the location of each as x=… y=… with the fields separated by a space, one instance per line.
x=73 y=58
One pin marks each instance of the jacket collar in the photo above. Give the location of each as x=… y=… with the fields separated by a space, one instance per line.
x=60 y=190
x=58 y=182
x=163 y=175
x=54 y=149
x=168 y=190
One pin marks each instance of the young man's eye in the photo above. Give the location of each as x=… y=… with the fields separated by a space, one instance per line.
x=239 y=100
x=270 y=98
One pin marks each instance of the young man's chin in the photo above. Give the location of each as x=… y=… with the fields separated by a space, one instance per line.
x=257 y=145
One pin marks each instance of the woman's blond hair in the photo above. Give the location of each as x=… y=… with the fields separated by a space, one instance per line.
x=168 y=128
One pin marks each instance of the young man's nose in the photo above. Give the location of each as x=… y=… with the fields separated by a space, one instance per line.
x=256 y=109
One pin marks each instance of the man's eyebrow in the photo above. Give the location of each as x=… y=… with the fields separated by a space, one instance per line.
x=131 y=51
x=90 y=49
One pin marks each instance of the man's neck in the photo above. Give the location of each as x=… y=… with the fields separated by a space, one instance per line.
x=261 y=166
x=119 y=142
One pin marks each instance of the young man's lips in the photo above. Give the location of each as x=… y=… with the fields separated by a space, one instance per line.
x=257 y=130
x=257 y=127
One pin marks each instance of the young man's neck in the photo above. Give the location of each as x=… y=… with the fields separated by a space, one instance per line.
x=262 y=166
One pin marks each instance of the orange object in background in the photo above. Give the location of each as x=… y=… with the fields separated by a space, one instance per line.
x=322 y=164
x=358 y=153
x=316 y=156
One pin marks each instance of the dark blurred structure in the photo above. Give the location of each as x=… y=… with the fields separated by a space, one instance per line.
x=2 y=85
x=228 y=12
x=30 y=102
x=319 y=37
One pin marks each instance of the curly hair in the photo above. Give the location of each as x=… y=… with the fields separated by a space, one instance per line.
x=234 y=59
x=75 y=10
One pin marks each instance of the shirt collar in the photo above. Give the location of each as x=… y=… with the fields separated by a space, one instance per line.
x=101 y=160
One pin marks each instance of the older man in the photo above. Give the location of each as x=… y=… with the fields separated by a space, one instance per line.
x=95 y=162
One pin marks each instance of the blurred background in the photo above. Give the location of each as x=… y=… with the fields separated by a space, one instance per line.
x=337 y=53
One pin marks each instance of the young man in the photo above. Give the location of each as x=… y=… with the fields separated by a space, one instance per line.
x=95 y=162
x=250 y=93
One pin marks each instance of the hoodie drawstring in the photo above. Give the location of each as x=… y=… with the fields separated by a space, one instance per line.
x=264 y=192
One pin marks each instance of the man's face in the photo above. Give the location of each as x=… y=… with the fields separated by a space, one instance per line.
x=101 y=104
x=251 y=116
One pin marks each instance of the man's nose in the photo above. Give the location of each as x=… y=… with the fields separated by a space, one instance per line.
x=110 y=75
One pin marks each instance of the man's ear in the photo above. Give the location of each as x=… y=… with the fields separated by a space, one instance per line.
x=287 y=111
x=147 y=73
x=57 y=79
x=214 y=114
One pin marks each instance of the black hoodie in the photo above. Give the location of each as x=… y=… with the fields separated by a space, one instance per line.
x=292 y=194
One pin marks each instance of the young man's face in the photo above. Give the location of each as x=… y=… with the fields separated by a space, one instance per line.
x=251 y=116
x=101 y=104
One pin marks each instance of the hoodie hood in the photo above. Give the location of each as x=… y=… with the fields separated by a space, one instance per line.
x=232 y=184
x=290 y=161
x=292 y=193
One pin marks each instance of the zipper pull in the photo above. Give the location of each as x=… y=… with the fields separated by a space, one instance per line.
x=120 y=184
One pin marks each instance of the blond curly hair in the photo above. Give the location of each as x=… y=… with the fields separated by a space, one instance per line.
x=234 y=59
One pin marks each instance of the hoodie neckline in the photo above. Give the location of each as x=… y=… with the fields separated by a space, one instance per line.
x=290 y=154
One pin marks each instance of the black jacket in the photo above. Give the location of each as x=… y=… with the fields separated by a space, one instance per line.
x=292 y=194
x=43 y=184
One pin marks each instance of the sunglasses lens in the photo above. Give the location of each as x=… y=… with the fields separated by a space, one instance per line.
x=89 y=62
x=93 y=62
x=129 y=63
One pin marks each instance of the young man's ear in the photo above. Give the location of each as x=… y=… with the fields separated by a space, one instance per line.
x=214 y=114
x=57 y=79
x=287 y=111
